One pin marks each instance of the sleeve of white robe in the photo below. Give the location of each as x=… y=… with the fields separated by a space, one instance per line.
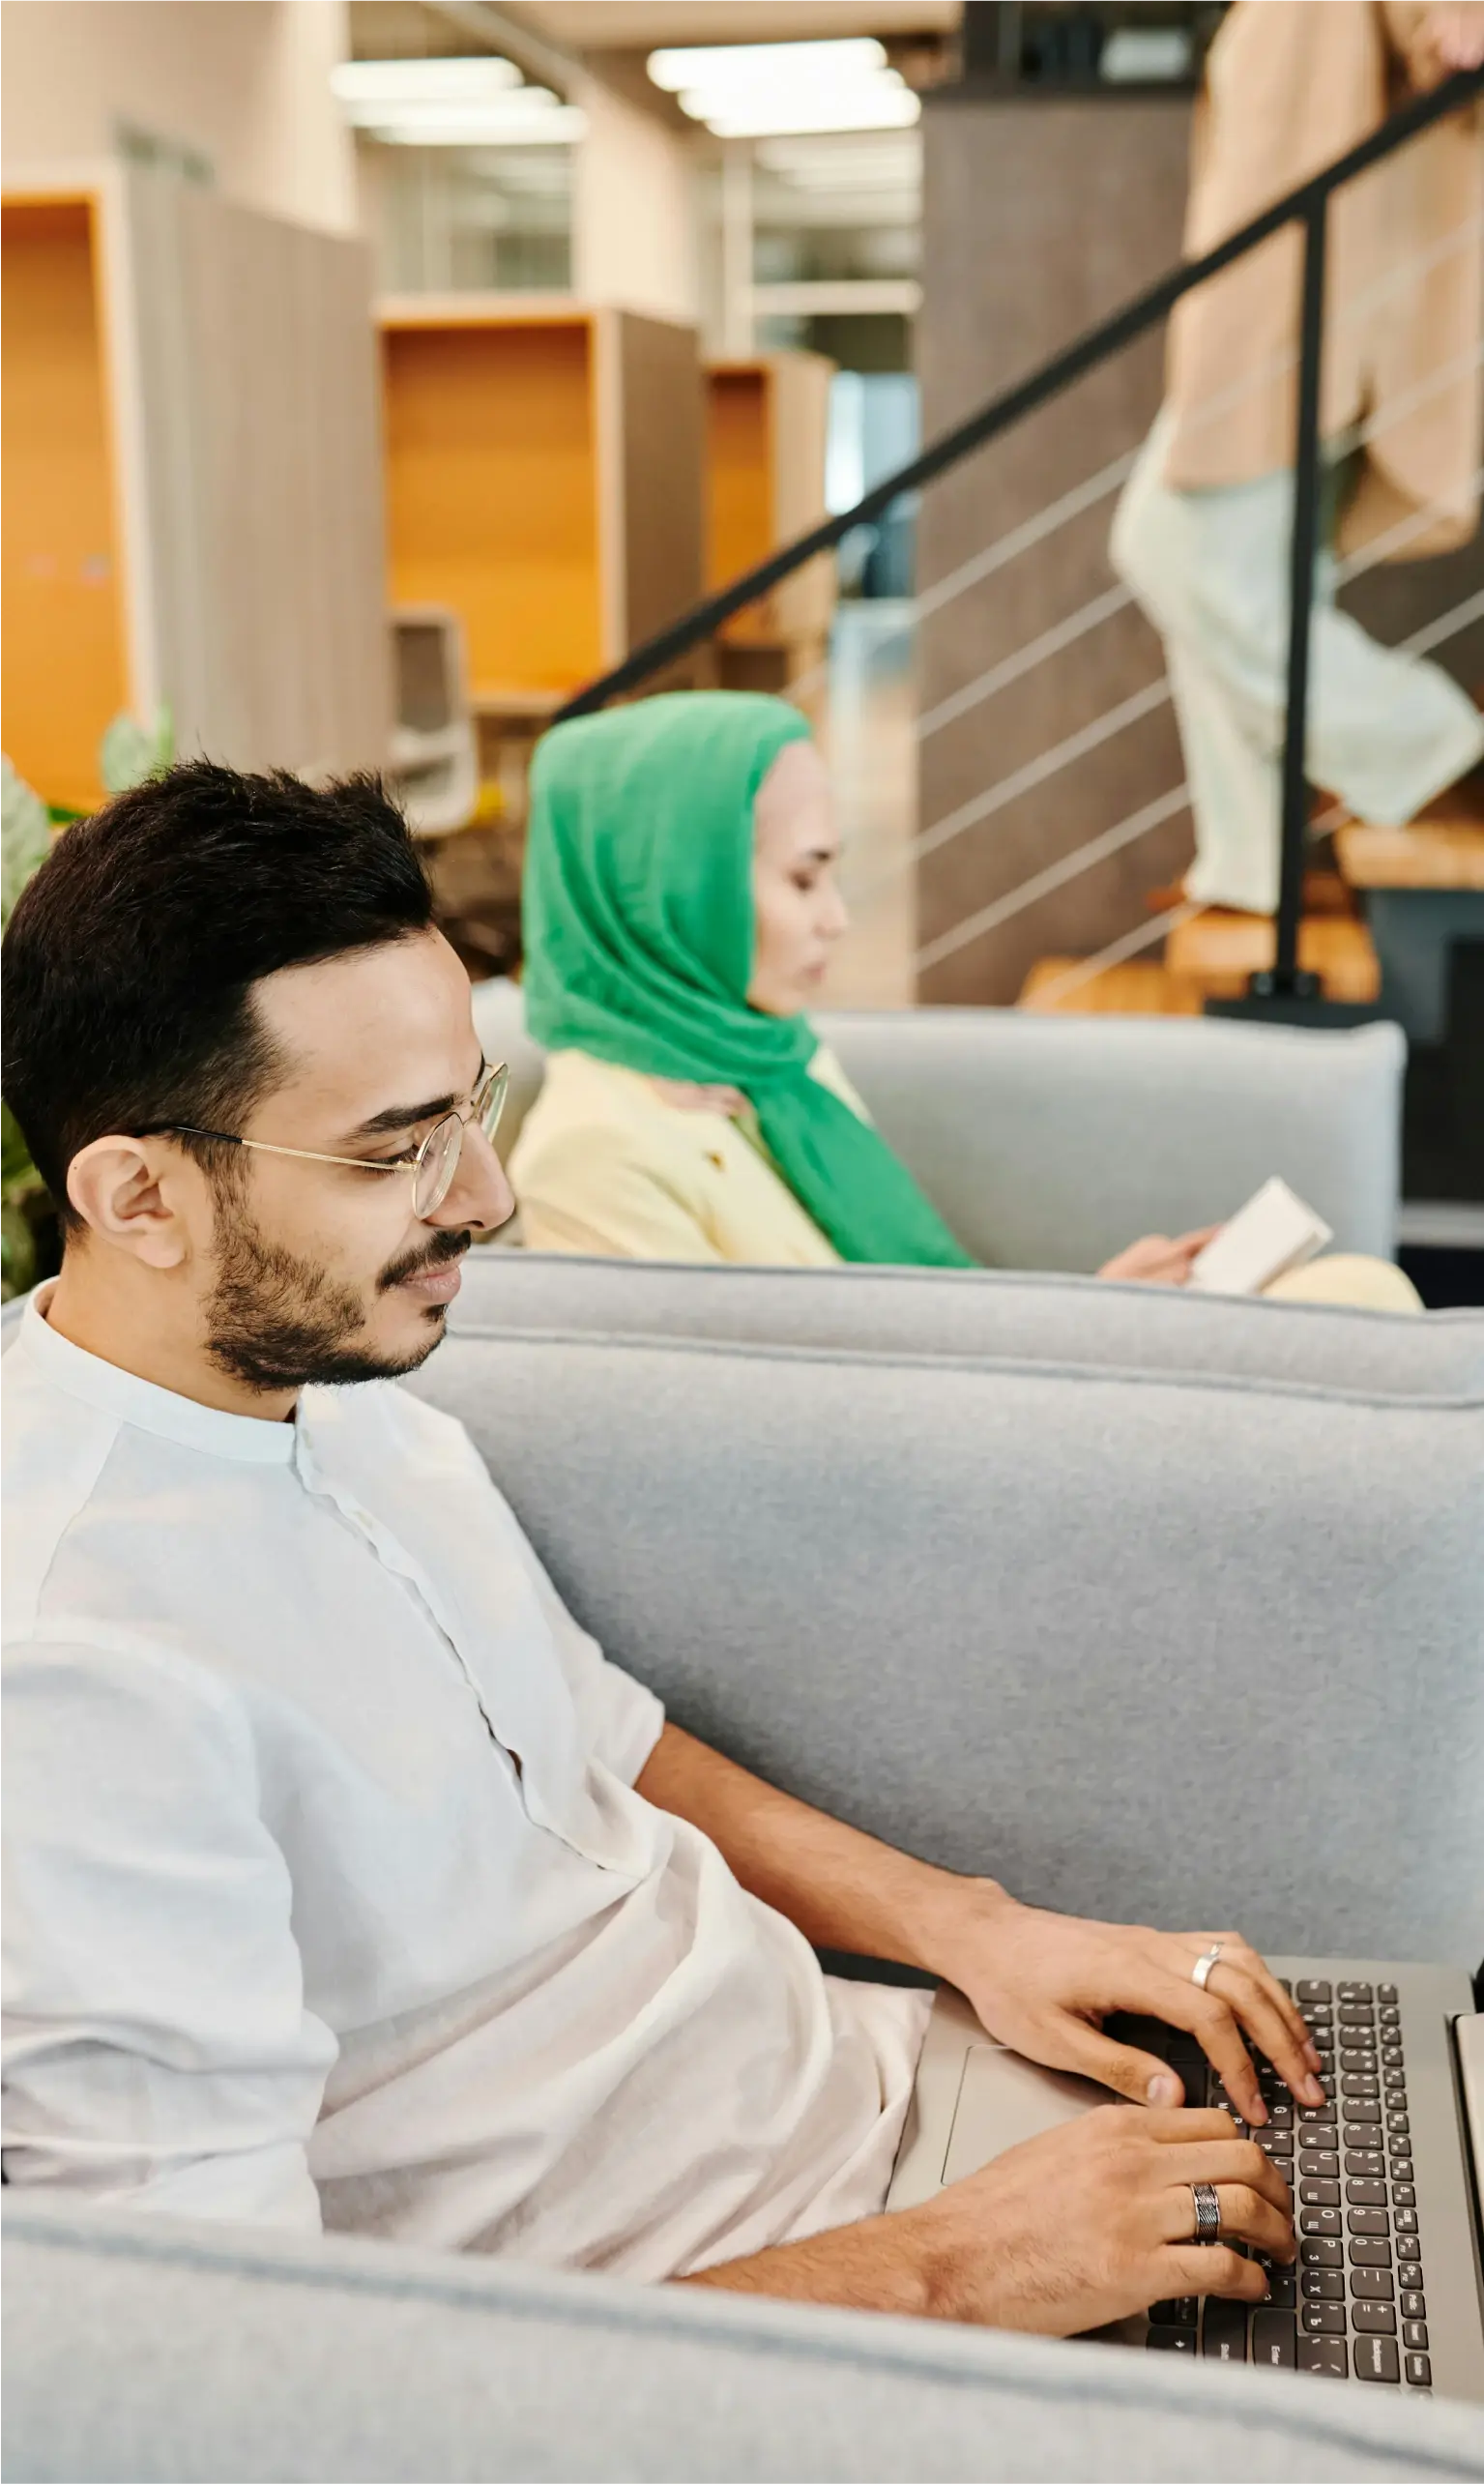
x=158 y=2053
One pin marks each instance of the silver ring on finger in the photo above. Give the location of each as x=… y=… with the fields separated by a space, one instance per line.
x=1208 y=2206
x=1200 y=1972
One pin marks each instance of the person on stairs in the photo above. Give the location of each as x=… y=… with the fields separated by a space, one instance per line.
x=681 y=908
x=1202 y=533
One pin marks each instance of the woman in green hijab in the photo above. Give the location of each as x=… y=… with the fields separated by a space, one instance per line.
x=680 y=911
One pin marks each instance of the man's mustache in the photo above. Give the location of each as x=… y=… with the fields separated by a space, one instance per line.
x=416 y=1262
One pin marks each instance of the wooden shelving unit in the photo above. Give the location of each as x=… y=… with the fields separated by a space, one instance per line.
x=542 y=479
x=193 y=504
x=766 y=422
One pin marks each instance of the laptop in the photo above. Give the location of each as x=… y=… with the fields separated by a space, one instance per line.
x=1389 y=2289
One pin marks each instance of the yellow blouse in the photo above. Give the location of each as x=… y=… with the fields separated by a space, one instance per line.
x=608 y=1164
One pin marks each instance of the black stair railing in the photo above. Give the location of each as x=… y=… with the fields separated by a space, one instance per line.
x=1283 y=989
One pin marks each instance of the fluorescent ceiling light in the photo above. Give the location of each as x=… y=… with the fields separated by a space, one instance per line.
x=734 y=65
x=768 y=90
x=423 y=82
x=475 y=103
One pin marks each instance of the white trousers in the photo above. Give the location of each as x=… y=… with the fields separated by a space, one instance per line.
x=1386 y=731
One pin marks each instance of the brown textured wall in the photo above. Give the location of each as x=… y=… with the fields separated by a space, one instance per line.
x=1040 y=219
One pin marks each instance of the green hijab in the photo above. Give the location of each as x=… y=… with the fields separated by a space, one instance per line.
x=638 y=938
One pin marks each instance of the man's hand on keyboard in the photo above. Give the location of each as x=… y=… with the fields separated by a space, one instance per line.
x=1093 y=2221
x=1044 y=1984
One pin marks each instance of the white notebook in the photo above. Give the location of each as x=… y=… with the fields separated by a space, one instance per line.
x=1273 y=1233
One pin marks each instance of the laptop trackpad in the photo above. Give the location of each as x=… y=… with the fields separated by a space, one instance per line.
x=1003 y=2099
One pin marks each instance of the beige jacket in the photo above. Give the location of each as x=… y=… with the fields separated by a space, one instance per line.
x=1291 y=85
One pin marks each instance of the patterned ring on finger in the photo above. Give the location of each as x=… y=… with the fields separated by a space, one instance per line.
x=1207 y=2208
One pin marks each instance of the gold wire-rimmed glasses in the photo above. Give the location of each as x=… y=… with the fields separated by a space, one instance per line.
x=432 y=1164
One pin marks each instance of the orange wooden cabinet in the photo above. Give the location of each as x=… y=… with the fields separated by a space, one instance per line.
x=544 y=479
x=193 y=481
x=766 y=424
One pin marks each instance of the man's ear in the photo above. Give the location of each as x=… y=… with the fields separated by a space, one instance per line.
x=131 y=1192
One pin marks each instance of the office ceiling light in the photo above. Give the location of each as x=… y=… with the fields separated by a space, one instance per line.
x=775 y=90
x=475 y=103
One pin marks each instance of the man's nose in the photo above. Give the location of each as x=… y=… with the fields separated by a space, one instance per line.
x=479 y=1193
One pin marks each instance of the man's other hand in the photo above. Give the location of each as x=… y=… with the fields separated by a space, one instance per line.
x=1044 y=1984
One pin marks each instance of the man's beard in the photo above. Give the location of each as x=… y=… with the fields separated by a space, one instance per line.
x=278 y=1322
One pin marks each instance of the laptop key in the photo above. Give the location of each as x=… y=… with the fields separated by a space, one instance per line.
x=1404 y=2195
x=1385 y=1992
x=1361 y=2109
x=1377 y=2359
x=1407 y=2220
x=1180 y=2311
x=1408 y=2277
x=1419 y=2372
x=1319 y=2221
x=1274 y=2338
x=1325 y=2354
x=1366 y=2195
x=1414 y=2335
x=1372 y=2220
x=1327 y=2195
x=1316 y=2252
x=1312 y=1988
x=1374 y=2318
x=1366 y=2161
x=1224 y=2330
x=1173 y=2341
x=1414 y=2304
x=1369 y=2251
x=1324 y=2320
x=1324 y=2285
x=1372 y=2285
x=1322 y=2163
x=1356 y=1991
x=1282 y=2287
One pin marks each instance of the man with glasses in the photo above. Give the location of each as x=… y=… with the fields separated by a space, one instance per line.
x=347 y=1882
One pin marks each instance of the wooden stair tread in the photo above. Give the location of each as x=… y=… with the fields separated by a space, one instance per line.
x=1216 y=951
x=1428 y=854
x=1140 y=988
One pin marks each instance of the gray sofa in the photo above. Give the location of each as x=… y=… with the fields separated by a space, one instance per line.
x=965 y=1314
x=1144 y=1642
x=142 y=2352
x=1051 y=1141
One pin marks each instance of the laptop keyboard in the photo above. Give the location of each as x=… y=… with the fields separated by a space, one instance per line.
x=1355 y=2305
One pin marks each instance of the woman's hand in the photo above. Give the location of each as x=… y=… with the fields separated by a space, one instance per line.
x=1157 y=1260
x=1044 y=1984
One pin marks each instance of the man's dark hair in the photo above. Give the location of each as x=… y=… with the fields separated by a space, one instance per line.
x=129 y=959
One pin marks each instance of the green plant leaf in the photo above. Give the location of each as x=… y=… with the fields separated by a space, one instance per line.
x=26 y=833
x=131 y=751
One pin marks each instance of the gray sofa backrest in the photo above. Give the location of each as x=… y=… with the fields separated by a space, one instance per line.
x=1051 y=1141
x=174 y=2354
x=1154 y=1646
x=973 y=1313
